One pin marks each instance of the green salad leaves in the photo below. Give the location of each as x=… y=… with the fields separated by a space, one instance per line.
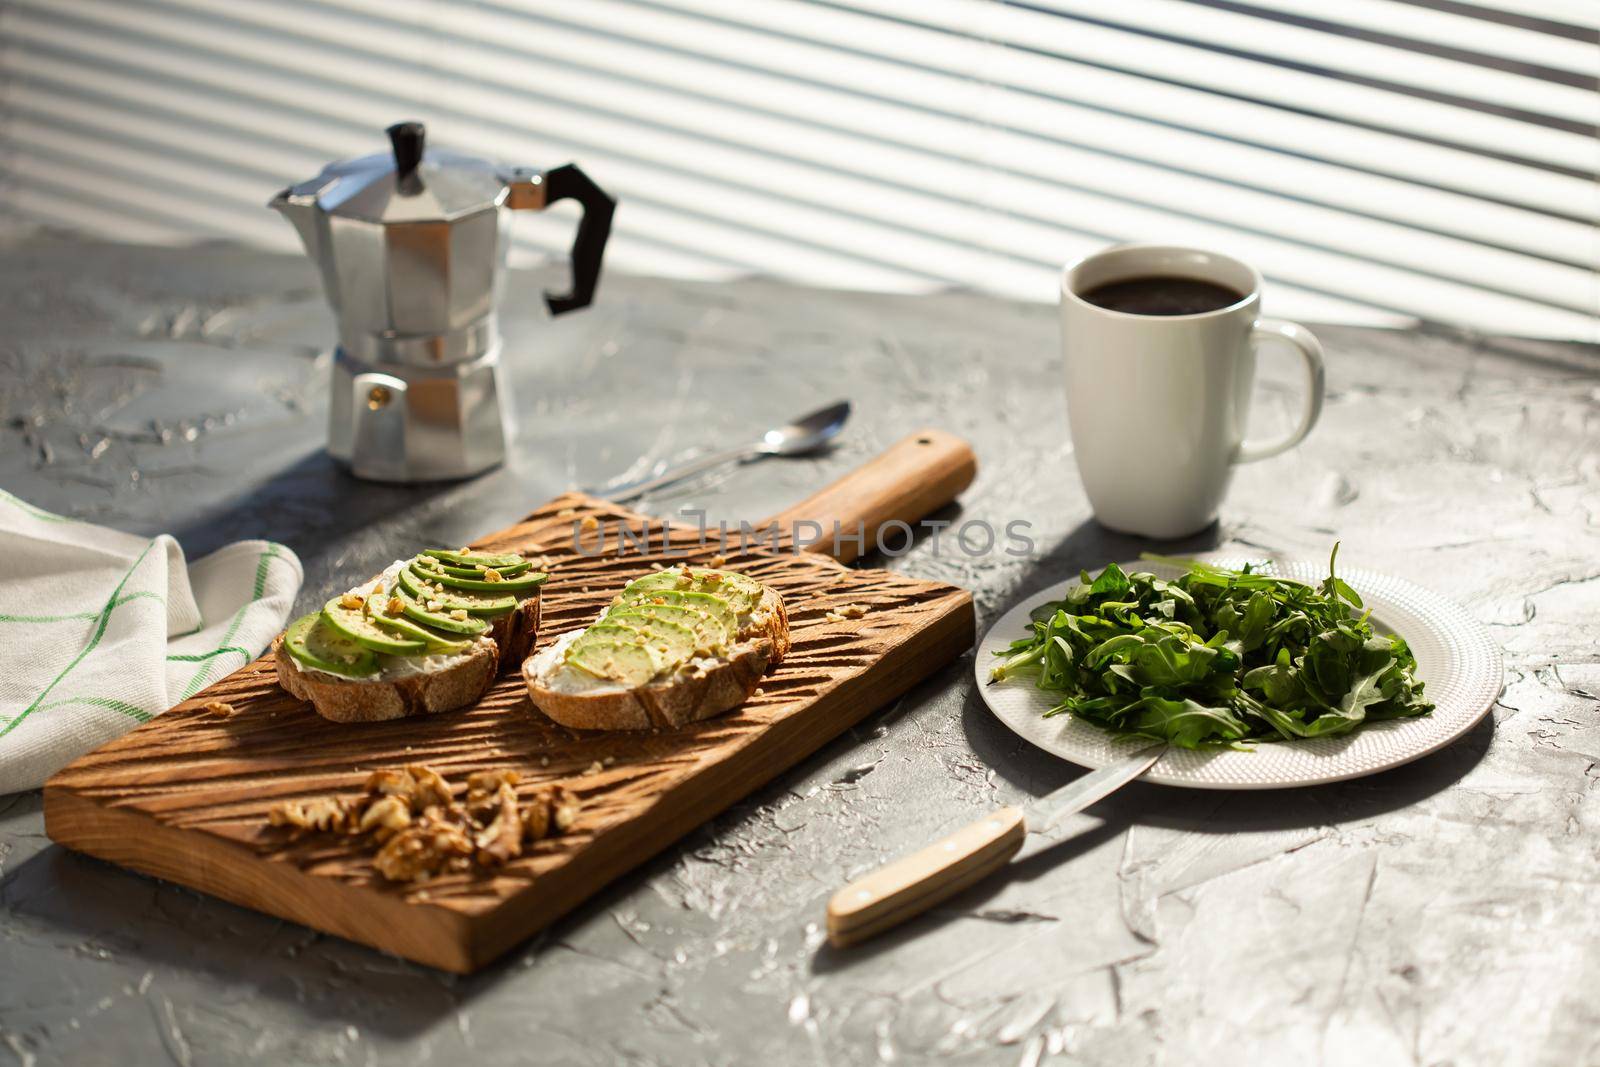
x=1216 y=657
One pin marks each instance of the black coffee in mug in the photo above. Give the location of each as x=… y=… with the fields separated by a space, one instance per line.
x=1162 y=295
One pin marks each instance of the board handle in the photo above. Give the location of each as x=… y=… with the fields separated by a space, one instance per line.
x=916 y=476
x=912 y=884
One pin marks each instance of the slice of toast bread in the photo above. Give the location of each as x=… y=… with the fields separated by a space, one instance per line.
x=464 y=680
x=689 y=695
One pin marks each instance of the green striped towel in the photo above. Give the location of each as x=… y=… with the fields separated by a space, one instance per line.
x=101 y=630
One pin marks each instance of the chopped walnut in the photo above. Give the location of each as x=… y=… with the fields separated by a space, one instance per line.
x=536 y=818
x=395 y=606
x=220 y=708
x=320 y=813
x=421 y=850
x=501 y=840
x=459 y=614
x=420 y=828
x=391 y=781
x=481 y=784
x=491 y=575
x=432 y=790
x=552 y=811
x=563 y=808
x=352 y=600
x=588 y=522
x=385 y=817
x=719 y=561
x=854 y=611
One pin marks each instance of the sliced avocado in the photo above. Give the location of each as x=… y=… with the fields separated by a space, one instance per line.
x=315 y=644
x=475 y=572
x=623 y=662
x=607 y=630
x=355 y=624
x=709 y=631
x=673 y=642
x=742 y=593
x=412 y=583
x=440 y=620
x=434 y=643
x=714 y=606
x=473 y=559
x=480 y=584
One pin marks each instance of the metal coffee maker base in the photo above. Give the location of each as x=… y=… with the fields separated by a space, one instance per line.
x=417 y=424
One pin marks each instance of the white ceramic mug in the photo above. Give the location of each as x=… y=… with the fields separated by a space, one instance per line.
x=1159 y=403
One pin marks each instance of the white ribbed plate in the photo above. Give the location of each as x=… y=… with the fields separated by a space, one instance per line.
x=1456 y=659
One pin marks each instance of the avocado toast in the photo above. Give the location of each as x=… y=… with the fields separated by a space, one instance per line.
x=429 y=634
x=674 y=647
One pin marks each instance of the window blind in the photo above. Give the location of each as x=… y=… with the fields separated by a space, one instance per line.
x=1380 y=160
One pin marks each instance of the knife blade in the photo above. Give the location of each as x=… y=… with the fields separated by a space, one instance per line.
x=888 y=896
x=1043 y=814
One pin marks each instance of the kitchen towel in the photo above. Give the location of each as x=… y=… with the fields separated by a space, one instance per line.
x=102 y=630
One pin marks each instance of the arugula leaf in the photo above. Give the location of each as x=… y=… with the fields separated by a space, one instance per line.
x=1216 y=657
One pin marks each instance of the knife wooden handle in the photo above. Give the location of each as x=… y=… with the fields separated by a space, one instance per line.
x=909 y=886
x=916 y=476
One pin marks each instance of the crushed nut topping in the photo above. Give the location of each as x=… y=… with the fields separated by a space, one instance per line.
x=352 y=600
x=220 y=708
x=459 y=614
x=588 y=522
x=421 y=829
x=719 y=561
x=395 y=606
x=491 y=575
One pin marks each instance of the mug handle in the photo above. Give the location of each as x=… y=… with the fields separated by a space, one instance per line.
x=1310 y=351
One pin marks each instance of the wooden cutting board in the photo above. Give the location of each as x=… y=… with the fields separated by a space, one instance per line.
x=185 y=796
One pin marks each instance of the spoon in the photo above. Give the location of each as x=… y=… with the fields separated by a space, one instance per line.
x=805 y=434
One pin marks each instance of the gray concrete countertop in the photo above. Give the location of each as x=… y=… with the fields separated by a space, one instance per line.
x=1447 y=912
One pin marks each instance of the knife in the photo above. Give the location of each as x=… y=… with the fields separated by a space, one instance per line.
x=910 y=885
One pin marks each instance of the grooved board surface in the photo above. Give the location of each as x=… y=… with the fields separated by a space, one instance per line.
x=185 y=796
